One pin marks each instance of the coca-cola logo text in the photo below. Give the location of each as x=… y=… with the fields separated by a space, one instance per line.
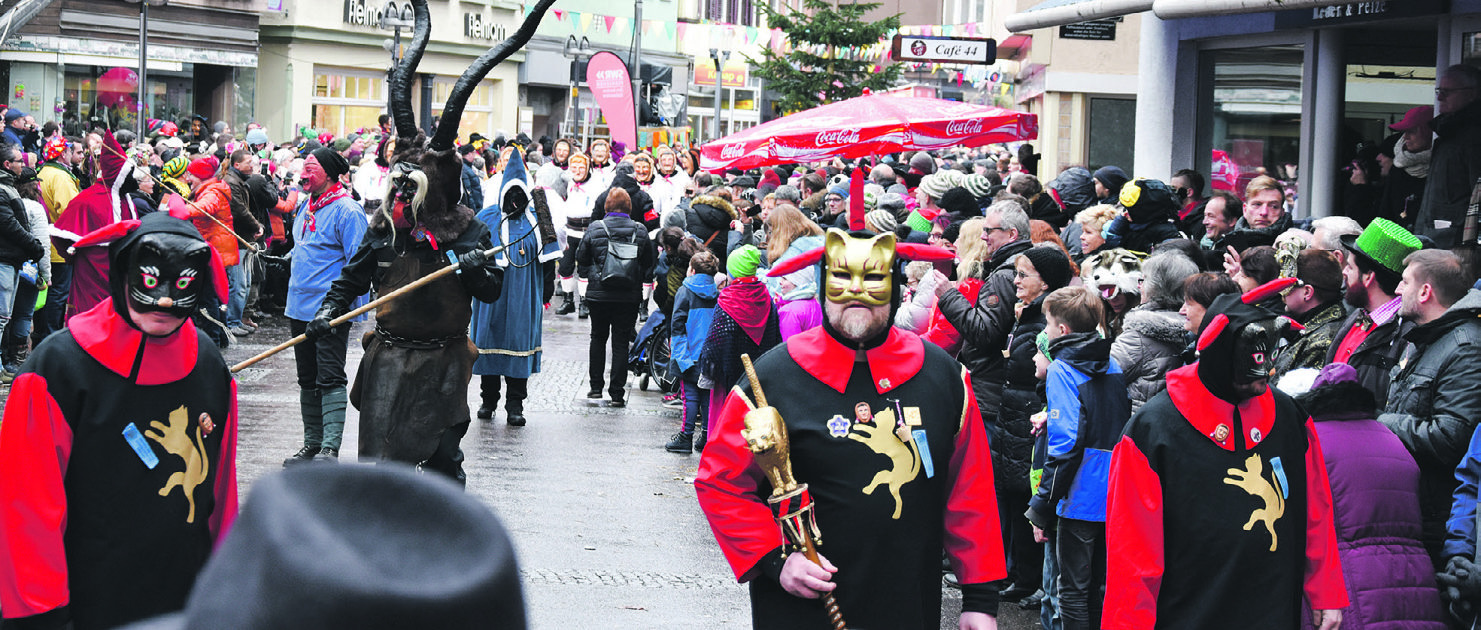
x=841 y=136
x=964 y=127
x=731 y=151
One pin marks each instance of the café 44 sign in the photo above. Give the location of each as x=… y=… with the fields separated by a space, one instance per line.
x=937 y=49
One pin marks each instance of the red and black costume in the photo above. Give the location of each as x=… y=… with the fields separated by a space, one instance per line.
x=1219 y=514
x=118 y=449
x=885 y=506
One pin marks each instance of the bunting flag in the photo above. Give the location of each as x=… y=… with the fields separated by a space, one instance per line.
x=683 y=27
x=586 y=22
x=609 y=20
x=559 y=13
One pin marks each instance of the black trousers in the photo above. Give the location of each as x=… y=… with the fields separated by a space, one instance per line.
x=1082 y=572
x=519 y=390
x=1025 y=557
x=614 y=320
x=321 y=364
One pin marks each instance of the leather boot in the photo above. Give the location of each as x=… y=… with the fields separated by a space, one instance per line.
x=313 y=427
x=568 y=306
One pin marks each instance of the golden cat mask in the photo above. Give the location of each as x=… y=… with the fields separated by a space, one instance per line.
x=858 y=269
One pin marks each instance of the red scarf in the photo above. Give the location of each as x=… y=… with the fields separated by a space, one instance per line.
x=747 y=301
x=335 y=192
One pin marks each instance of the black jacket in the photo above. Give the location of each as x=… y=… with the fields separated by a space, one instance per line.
x=985 y=326
x=642 y=203
x=1455 y=163
x=710 y=216
x=1401 y=197
x=243 y=222
x=1013 y=441
x=592 y=252
x=17 y=243
x=1434 y=405
x=1378 y=354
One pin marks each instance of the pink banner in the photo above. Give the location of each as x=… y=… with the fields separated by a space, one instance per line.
x=612 y=87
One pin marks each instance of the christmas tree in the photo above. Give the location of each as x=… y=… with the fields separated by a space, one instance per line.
x=825 y=64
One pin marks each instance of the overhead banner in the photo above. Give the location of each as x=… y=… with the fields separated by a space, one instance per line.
x=612 y=87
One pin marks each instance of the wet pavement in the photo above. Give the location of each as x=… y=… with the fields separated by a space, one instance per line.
x=605 y=522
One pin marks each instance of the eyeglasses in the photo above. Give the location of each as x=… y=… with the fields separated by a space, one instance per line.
x=1446 y=92
x=834 y=200
x=994 y=229
x=1021 y=274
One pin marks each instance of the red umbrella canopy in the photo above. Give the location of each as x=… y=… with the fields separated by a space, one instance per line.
x=117 y=86
x=873 y=124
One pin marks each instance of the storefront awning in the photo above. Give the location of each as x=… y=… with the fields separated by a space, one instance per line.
x=1061 y=12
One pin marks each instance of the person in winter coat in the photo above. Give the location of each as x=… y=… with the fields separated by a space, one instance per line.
x=1407 y=154
x=708 y=219
x=1455 y=161
x=971 y=253
x=1152 y=337
x=1108 y=181
x=1434 y=402
x=694 y=310
x=986 y=322
x=97 y=206
x=211 y=200
x=1315 y=303
x=614 y=300
x=472 y=183
x=1149 y=207
x=1371 y=339
x=1375 y=508
x=1038 y=272
x=1088 y=407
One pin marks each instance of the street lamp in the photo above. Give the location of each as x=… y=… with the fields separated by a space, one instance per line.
x=395 y=17
x=143 y=61
x=576 y=51
x=719 y=53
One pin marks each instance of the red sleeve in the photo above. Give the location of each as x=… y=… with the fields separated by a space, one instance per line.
x=974 y=540
x=941 y=332
x=726 y=485
x=1324 y=586
x=226 y=475
x=1134 y=551
x=35 y=445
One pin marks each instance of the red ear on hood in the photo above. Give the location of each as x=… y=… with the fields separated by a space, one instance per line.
x=106 y=234
x=1293 y=324
x=112 y=159
x=1212 y=331
x=856 y=207
x=796 y=263
x=1267 y=290
x=218 y=276
x=916 y=251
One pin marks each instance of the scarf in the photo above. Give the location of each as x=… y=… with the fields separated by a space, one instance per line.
x=747 y=301
x=1416 y=164
x=335 y=192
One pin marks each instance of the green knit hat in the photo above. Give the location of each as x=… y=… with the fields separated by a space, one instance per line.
x=743 y=262
x=1385 y=244
x=174 y=168
x=917 y=222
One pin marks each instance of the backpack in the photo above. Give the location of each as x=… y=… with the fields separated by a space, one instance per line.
x=620 y=268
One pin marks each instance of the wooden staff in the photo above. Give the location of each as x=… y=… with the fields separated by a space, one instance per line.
x=766 y=436
x=189 y=203
x=417 y=284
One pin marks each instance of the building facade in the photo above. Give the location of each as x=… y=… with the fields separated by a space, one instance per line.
x=324 y=64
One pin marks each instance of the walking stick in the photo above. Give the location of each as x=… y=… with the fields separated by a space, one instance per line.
x=791 y=504
x=417 y=284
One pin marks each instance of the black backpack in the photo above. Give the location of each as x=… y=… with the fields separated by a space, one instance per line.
x=620 y=267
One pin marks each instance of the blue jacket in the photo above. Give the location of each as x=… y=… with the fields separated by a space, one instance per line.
x=472 y=188
x=1088 y=408
x=694 y=307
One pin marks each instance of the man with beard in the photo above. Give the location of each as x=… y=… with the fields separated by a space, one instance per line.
x=118 y=444
x=1371 y=339
x=1434 y=403
x=883 y=429
x=1219 y=512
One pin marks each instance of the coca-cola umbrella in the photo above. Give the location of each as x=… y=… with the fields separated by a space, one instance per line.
x=873 y=124
x=118 y=86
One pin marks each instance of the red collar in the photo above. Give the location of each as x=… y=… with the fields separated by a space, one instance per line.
x=1214 y=416
x=891 y=364
x=105 y=336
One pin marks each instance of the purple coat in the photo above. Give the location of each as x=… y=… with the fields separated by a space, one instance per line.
x=1375 y=496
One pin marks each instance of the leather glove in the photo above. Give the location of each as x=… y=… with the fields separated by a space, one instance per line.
x=317 y=328
x=1461 y=585
x=472 y=259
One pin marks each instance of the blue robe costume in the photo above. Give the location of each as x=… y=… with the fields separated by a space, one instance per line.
x=507 y=331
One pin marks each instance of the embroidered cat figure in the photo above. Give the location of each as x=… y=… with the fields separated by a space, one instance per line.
x=1252 y=480
x=175 y=438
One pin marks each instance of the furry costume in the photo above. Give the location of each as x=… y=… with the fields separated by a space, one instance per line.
x=412 y=386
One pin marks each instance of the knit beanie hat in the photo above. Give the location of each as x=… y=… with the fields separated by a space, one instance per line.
x=331 y=161
x=204 y=168
x=959 y=202
x=743 y=262
x=893 y=202
x=1053 y=266
x=174 y=168
x=977 y=185
x=934 y=186
x=923 y=163
x=920 y=219
x=881 y=220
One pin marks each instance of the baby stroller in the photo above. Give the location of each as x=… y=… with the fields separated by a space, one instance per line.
x=649 y=358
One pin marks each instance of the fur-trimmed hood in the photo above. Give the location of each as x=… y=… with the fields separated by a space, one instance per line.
x=1156 y=324
x=1339 y=401
x=716 y=202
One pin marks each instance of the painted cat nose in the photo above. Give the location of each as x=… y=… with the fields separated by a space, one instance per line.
x=166 y=302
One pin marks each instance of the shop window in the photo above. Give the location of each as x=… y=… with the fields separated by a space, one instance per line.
x=345 y=101
x=478 y=113
x=1470 y=49
x=102 y=93
x=1256 y=115
x=1112 y=132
